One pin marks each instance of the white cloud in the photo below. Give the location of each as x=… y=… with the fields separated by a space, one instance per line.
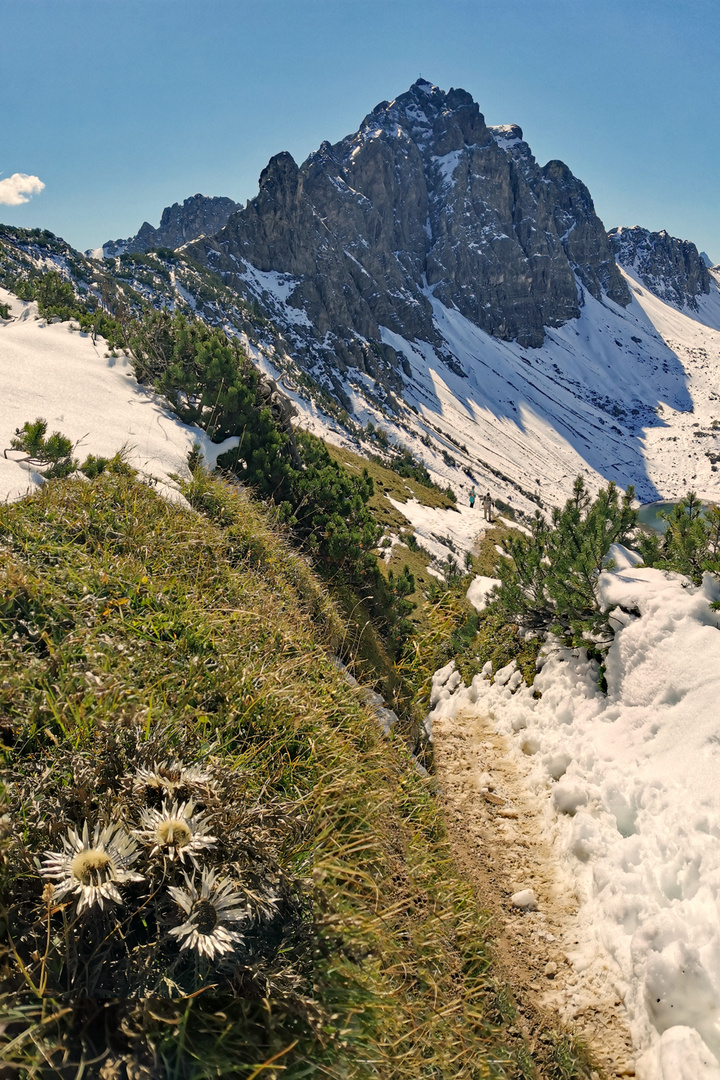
x=18 y=188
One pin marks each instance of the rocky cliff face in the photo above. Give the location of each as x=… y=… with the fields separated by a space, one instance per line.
x=671 y=268
x=425 y=200
x=180 y=223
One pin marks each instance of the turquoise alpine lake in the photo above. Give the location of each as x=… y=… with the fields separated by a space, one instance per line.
x=649 y=515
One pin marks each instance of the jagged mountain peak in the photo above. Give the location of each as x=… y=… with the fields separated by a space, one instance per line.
x=437 y=121
x=423 y=202
x=196 y=216
x=432 y=118
x=670 y=268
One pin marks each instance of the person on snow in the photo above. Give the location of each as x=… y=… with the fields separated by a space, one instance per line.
x=472 y=497
x=487 y=507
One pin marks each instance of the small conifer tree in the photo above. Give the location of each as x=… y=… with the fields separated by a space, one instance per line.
x=550 y=581
x=52 y=454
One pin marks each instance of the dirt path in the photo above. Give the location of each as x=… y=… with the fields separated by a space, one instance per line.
x=496 y=838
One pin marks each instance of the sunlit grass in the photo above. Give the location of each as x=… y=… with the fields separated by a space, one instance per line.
x=135 y=633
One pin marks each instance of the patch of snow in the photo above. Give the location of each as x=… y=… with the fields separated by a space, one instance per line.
x=506 y=136
x=386 y=552
x=280 y=287
x=447 y=164
x=358 y=264
x=627 y=784
x=479 y=592
x=433 y=525
x=52 y=371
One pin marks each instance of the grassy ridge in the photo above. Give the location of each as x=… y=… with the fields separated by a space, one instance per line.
x=134 y=632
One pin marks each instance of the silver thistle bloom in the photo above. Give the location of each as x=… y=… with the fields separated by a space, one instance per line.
x=168 y=776
x=175 y=831
x=212 y=912
x=92 y=868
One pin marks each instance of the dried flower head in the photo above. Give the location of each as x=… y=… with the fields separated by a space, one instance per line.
x=212 y=912
x=92 y=868
x=175 y=831
x=167 y=777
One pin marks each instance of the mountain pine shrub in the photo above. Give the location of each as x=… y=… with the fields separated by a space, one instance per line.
x=52 y=454
x=691 y=541
x=56 y=298
x=210 y=382
x=550 y=580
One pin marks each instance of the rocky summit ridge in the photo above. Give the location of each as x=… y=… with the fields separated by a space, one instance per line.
x=425 y=201
x=672 y=269
x=180 y=223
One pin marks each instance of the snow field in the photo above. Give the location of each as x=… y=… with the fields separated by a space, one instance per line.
x=52 y=371
x=628 y=785
x=441 y=531
x=615 y=394
x=624 y=394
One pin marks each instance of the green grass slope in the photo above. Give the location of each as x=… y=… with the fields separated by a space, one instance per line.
x=160 y=664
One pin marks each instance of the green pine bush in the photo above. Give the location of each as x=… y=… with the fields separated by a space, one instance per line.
x=550 y=581
x=52 y=454
x=691 y=541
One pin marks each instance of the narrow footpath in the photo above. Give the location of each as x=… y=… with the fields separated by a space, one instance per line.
x=496 y=839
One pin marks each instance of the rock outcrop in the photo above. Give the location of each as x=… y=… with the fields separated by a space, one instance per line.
x=199 y=215
x=672 y=269
x=425 y=200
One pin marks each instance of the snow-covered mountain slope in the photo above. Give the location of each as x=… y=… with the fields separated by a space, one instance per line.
x=624 y=394
x=52 y=371
x=627 y=785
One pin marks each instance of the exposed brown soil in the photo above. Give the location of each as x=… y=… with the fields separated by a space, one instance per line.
x=497 y=840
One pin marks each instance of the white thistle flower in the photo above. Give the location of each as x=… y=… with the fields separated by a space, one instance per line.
x=211 y=913
x=168 y=776
x=176 y=831
x=92 y=868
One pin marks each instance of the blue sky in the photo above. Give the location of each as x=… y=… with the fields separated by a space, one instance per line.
x=122 y=107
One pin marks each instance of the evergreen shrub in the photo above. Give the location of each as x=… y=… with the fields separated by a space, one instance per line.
x=210 y=382
x=550 y=581
x=691 y=541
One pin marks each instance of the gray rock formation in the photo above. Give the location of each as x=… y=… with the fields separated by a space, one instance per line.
x=424 y=200
x=672 y=269
x=706 y=259
x=199 y=215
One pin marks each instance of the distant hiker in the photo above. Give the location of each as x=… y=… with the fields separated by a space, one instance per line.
x=487 y=507
x=472 y=497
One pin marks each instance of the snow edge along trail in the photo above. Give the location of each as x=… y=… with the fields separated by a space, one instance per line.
x=495 y=829
x=625 y=786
